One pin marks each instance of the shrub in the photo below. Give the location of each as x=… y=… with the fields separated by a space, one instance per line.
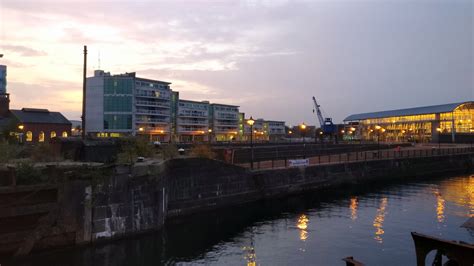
x=202 y=151
x=9 y=151
x=43 y=152
x=27 y=174
x=131 y=148
x=169 y=151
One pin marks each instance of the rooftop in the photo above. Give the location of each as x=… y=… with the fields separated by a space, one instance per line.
x=41 y=116
x=433 y=109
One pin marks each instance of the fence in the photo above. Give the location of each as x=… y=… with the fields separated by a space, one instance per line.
x=357 y=156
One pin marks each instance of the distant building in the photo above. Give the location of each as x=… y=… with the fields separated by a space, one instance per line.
x=224 y=121
x=448 y=122
x=264 y=130
x=3 y=79
x=193 y=121
x=39 y=125
x=124 y=104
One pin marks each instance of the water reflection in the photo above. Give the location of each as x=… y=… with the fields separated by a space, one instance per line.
x=440 y=205
x=379 y=219
x=353 y=208
x=460 y=192
x=250 y=254
x=303 y=225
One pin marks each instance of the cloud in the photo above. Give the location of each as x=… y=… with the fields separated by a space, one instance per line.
x=23 y=50
x=270 y=57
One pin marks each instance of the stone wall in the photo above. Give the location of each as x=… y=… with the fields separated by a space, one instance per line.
x=124 y=204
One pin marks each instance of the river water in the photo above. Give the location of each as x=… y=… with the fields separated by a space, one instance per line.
x=370 y=222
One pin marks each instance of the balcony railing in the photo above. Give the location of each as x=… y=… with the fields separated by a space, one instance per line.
x=152 y=112
x=152 y=104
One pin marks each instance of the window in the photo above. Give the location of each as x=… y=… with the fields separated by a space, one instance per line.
x=53 y=134
x=41 y=136
x=29 y=136
x=64 y=134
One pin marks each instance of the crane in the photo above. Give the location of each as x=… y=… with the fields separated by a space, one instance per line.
x=326 y=123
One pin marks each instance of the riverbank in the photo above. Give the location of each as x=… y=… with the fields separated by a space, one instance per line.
x=127 y=201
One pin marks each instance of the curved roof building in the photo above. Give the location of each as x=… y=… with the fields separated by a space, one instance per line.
x=422 y=124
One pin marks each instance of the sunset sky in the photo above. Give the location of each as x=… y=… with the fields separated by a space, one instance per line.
x=269 y=57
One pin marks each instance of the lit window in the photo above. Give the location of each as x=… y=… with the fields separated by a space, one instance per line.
x=29 y=136
x=64 y=134
x=53 y=134
x=41 y=137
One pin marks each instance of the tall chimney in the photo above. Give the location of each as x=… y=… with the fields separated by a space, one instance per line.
x=84 y=94
x=4 y=104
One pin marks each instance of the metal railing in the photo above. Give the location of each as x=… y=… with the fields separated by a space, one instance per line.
x=358 y=156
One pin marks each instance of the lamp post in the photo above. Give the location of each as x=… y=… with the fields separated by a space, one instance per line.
x=209 y=135
x=250 y=122
x=20 y=135
x=303 y=132
x=439 y=137
x=378 y=133
x=289 y=133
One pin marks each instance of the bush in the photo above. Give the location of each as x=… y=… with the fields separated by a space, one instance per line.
x=169 y=151
x=132 y=148
x=202 y=151
x=9 y=151
x=43 y=152
x=27 y=174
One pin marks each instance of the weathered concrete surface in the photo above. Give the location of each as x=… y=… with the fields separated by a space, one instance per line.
x=79 y=211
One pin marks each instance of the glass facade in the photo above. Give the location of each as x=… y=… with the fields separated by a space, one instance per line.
x=116 y=121
x=118 y=85
x=118 y=99
x=420 y=128
x=118 y=103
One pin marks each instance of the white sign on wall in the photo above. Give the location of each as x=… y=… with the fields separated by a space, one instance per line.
x=298 y=162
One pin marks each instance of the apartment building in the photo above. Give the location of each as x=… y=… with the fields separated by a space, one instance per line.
x=224 y=122
x=120 y=105
x=192 y=122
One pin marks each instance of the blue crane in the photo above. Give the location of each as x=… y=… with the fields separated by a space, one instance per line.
x=326 y=123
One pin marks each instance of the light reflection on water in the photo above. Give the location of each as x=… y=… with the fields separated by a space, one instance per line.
x=379 y=219
x=371 y=223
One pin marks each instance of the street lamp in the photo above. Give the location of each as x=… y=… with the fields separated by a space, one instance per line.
x=209 y=135
x=289 y=133
x=439 y=137
x=303 y=132
x=250 y=122
x=20 y=135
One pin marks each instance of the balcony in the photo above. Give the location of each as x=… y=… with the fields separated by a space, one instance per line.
x=152 y=121
x=151 y=112
x=152 y=104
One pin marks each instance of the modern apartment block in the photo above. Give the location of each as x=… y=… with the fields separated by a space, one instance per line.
x=124 y=104
x=224 y=122
x=276 y=130
x=192 y=121
x=264 y=130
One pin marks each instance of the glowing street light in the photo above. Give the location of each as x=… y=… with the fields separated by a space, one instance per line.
x=21 y=127
x=303 y=132
x=250 y=122
x=439 y=137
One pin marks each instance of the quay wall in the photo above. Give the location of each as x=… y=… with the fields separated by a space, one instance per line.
x=129 y=200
